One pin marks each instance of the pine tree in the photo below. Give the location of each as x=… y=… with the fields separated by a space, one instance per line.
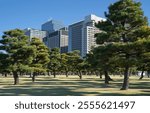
x=76 y=62
x=100 y=59
x=40 y=59
x=55 y=61
x=18 y=52
x=65 y=63
x=123 y=29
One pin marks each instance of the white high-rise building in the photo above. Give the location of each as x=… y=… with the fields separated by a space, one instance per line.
x=82 y=34
x=35 y=33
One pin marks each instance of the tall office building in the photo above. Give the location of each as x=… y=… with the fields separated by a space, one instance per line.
x=35 y=33
x=58 y=39
x=52 y=25
x=75 y=36
x=81 y=34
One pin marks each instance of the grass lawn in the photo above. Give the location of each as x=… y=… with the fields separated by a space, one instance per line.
x=72 y=86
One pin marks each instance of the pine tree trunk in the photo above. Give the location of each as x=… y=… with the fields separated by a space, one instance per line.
x=80 y=74
x=148 y=74
x=109 y=78
x=100 y=75
x=5 y=74
x=66 y=73
x=48 y=73
x=106 y=77
x=16 y=78
x=33 y=77
x=125 y=84
x=54 y=72
x=142 y=75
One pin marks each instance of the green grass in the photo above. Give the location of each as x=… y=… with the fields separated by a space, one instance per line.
x=72 y=86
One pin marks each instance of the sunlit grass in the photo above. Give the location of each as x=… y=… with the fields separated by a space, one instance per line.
x=73 y=86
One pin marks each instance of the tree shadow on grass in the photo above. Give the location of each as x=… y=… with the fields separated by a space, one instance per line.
x=58 y=87
x=48 y=91
x=60 y=91
x=140 y=85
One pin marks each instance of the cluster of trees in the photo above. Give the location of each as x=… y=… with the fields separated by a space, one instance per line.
x=23 y=57
x=124 y=44
x=19 y=55
x=124 y=41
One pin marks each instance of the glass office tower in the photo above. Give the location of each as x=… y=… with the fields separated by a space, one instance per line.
x=52 y=25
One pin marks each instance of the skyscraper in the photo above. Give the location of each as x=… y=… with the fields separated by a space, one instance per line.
x=81 y=34
x=35 y=33
x=58 y=39
x=52 y=25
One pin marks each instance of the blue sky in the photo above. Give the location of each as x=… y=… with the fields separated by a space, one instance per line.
x=32 y=13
